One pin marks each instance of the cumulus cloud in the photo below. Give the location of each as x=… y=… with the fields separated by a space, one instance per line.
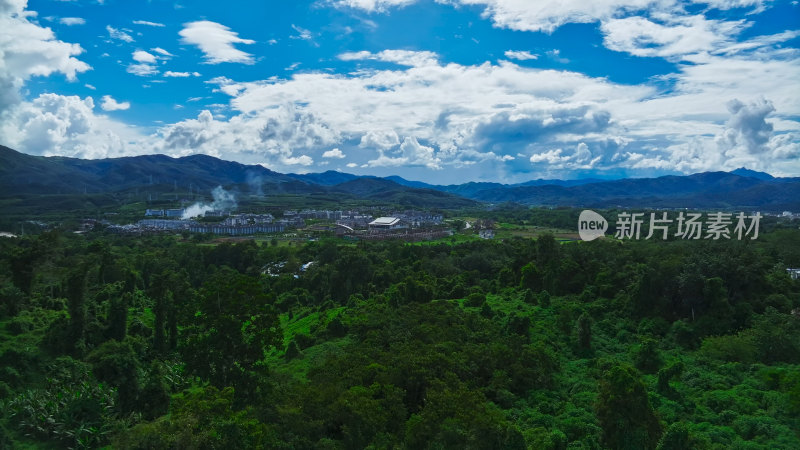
x=557 y=159
x=290 y=127
x=550 y=157
x=382 y=140
x=143 y=57
x=417 y=154
x=335 y=153
x=412 y=154
x=145 y=65
x=302 y=160
x=28 y=50
x=272 y=135
x=747 y=128
x=109 y=104
x=190 y=134
x=54 y=124
x=216 y=41
x=524 y=126
x=492 y=117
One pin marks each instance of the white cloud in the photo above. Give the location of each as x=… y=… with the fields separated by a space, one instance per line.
x=302 y=160
x=149 y=24
x=412 y=154
x=419 y=155
x=335 y=153
x=170 y=73
x=382 y=140
x=118 y=34
x=142 y=70
x=145 y=65
x=373 y=5
x=55 y=124
x=70 y=21
x=527 y=15
x=273 y=134
x=216 y=42
x=550 y=157
x=89 y=86
x=495 y=118
x=402 y=57
x=162 y=52
x=747 y=128
x=555 y=159
x=143 y=57
x=675 y=38
x=547 y=15
x=302 y=33
x=520 y=55
x=28 y=50
x=109 y=104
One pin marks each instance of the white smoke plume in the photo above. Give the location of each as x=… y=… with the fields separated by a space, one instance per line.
x=223 y=201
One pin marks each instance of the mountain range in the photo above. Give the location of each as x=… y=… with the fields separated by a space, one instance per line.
x=26 y=175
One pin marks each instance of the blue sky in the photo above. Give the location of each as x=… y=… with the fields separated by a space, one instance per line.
x=442 y=91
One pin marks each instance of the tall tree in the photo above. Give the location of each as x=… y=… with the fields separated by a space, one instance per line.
x=234 y=325
x=624 y=411
x=76 y=287
x=585 y=331
x=118 y=316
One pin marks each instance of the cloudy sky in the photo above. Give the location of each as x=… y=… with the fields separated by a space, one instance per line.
x=443 y=91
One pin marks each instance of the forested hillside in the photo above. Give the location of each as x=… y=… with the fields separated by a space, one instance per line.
x=159 y=342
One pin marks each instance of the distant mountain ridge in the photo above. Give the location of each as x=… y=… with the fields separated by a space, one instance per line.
x=741 y=188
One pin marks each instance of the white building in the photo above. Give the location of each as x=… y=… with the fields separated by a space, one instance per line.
x=386 y=223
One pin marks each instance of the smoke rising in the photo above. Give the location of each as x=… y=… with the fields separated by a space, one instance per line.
x=223 y=200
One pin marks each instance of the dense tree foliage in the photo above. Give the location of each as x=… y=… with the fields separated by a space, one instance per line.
x=164 y=342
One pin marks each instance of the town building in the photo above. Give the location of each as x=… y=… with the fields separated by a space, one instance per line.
x=386 y=223
x=486 y=233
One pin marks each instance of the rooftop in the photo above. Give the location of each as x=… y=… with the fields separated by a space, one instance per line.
x=386 y=221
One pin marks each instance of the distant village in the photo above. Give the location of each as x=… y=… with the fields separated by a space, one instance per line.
x=410 y=224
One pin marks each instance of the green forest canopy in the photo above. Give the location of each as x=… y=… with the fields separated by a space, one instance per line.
x=154 y=342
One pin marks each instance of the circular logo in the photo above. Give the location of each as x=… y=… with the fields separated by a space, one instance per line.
x=591 y=225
